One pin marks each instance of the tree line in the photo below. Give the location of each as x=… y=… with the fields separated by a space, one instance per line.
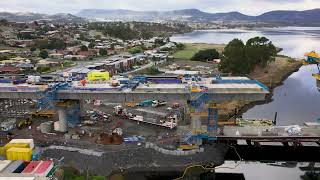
x=239 y=58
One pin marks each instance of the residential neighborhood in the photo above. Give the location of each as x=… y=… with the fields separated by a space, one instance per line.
x=43 y=47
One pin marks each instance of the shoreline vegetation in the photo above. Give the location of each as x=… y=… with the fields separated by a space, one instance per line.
x=272 y=75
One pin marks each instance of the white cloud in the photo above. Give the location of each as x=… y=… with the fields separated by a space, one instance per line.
x=251 y=7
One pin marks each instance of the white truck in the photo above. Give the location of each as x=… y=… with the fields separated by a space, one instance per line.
x=158 y=103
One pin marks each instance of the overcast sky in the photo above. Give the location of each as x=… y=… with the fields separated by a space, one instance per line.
x=249 y=7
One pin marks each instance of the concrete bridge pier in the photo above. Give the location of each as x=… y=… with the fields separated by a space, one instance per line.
x=63 y=123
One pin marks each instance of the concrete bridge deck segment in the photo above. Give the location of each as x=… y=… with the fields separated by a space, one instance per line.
x=166 y=92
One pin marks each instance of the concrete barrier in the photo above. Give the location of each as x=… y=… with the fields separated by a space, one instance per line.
x=173 y=152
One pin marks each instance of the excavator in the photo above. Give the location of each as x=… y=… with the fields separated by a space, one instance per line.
x=313 y=58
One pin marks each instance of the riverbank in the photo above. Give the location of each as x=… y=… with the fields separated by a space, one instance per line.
x=272 y=76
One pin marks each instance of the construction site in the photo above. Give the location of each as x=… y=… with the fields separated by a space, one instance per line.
x=126 y=122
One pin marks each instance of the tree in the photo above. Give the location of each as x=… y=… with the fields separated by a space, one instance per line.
x=238 y=58
x=205 y=55
x=4 y=22
x=103 y=52
x=135 y=50
x=32 y=49
x=180 y=46
x=74 y=59
x=53 y=43
x=260 y=51
x=233 y=58
x=91 y=45
x=84 y=48
x=43 y=54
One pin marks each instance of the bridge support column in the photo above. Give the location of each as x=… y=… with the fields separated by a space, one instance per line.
x=63 y=124
x=196 y=124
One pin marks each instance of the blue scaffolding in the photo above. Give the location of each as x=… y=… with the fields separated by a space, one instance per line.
x=49 y=96
x=198 y=101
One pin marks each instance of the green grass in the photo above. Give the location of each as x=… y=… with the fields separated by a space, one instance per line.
x=185 y=54
x=72 y=174
x=192 y=48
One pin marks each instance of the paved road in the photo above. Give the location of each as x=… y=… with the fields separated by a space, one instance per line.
x=81 y=64
x=150 y=64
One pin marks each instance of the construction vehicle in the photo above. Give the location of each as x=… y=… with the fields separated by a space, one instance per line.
x=120 y=111
x=158 y=103
x=313 y=58
x=131 y=104
x=43 y=113
x=146 y=103
x=24 y=123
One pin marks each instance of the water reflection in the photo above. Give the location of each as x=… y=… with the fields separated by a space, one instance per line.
x=297 y=100
x=295 y=41
x=280 y=170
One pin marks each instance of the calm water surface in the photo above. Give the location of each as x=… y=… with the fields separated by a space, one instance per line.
x=297 y=100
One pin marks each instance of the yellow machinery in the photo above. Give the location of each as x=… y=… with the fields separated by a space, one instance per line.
x=4 y=149
x=131 y=104
x=43 y=113
x=313 y=58
x=98 y=76
x=188 y=147
x=15 y=153
x=24 y=123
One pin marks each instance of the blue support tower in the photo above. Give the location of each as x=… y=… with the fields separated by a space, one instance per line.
x=49 y=96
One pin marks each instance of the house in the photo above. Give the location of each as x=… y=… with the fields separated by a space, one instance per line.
x=46 y=63
x=215 y=61
x=56 y=55
x=5 y=52
x=19 y=43
x=78 y=57
x=9 y=70
x=25 y=66
x=169 y=45
x=79 y=73
x=119 y=49
x=89 y=53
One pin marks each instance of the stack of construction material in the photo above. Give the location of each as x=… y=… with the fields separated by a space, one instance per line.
x=46 y=127
x=4 y=164
x=14 y=167
x=110 y=139
x=38 y=168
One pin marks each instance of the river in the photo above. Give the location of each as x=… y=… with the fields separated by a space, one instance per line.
x=297 y=100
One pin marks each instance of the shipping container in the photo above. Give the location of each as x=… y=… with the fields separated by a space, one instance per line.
x=14 y=167
x=23 y=141
x=19 y=154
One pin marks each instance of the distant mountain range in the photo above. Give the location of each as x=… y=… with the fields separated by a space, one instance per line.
x=28 y=16
x=308 y=17
x=194 y=15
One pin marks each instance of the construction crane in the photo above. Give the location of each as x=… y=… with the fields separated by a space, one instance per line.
x=313 y=58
